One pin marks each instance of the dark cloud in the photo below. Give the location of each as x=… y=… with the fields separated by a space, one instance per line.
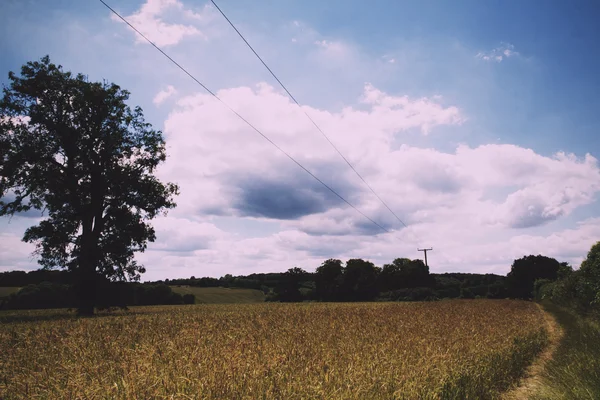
x=532 y=219
x=292 y=195
x=435 y=179
x=440 y=184
x=283 y=200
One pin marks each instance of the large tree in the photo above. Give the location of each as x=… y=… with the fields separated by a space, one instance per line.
x=75 y=150
x=526 y=270
x=360 y=280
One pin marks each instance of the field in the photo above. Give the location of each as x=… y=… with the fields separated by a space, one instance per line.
x=462 y=349
x=7 y=291
x=216 y=295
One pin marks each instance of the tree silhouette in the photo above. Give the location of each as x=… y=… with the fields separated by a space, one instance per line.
x=328 y=280
x=288 y=289
x=75 y=150
x=360 y=280
x=526 y=270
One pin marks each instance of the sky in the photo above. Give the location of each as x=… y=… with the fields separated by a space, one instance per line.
x=476 y=122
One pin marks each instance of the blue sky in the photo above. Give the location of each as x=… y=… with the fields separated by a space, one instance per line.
x=454 y=111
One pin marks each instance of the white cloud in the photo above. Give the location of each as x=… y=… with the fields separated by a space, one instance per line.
x=150 y=20
x=15 y=254
x=389 y=59
x=331 y=46
x=502 y=52
x=164 y=95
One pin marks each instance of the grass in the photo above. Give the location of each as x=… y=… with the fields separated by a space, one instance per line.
x=7 y=291
x=573 y=373
x=221 y=295
x=462 y=349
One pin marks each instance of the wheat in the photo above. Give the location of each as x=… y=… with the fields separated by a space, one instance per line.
x=469 y=349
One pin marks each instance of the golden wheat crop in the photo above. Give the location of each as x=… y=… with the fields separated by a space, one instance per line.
x=469 y=349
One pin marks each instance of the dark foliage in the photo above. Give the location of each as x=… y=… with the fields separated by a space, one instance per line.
x=22 y=278
x=329 y=280
x=42 y=295
x=578 y=290
x=526 y=270
x=410 y=294
x=288 y=289
x=110 y=295
x=189 y=298
x=359 y=281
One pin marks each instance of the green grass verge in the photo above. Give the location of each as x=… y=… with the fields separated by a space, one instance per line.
x=216 y=295
x=7 y=291
x=573 y=373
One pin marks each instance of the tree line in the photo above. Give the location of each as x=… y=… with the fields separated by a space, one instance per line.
x=355 y=280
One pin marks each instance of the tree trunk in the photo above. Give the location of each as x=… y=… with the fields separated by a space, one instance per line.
x=86 y=282
x=86 y=289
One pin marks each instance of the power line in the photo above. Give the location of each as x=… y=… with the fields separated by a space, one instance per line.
x=244 y=119
x=308 y=116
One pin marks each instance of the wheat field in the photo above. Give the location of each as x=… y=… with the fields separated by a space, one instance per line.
x=461 y=349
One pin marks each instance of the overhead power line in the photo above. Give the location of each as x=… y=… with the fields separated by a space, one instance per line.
x=244 y=119
x=308 y=116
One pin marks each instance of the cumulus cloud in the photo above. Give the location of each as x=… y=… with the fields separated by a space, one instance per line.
x=498 y=54
x=150 y=19
x=164 y=95
x=184 y=235
x=249 y=177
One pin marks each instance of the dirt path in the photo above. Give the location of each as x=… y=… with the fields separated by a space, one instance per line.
x=531 y=380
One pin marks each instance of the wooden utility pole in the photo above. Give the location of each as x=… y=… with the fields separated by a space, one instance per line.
x=425 y=251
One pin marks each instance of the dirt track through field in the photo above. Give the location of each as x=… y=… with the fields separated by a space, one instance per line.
x=532 y=378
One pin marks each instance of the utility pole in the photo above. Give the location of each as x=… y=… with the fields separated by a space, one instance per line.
x=425 y=251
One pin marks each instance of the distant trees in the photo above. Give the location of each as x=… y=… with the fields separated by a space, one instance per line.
x=22 y=278
x=359 y=281
x=526 y=270
x=329 y=279
x=404 y=273
x=288 y=289
x=356 y=280
x=110 y=294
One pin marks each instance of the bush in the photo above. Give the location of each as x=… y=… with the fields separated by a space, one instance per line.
x=43 y=295
x=189 y=298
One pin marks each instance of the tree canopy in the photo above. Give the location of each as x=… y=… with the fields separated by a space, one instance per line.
x=526 y=270
x=76 y=151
